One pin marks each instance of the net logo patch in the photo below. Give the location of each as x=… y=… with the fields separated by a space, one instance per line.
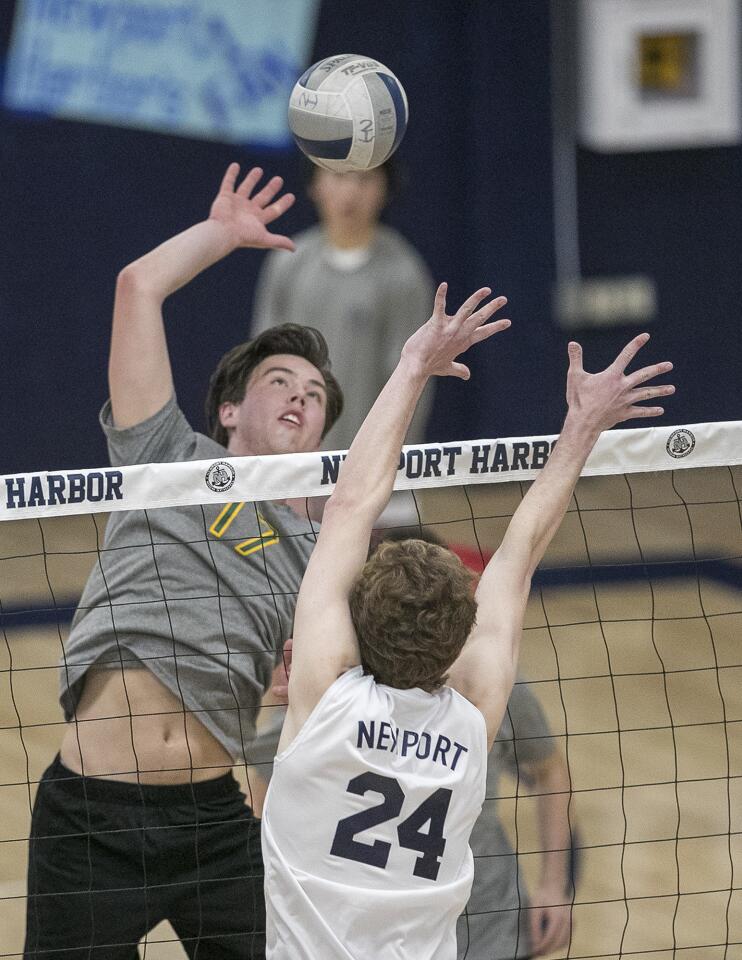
x=50 y=489
x=220 y=476
x=680 y=443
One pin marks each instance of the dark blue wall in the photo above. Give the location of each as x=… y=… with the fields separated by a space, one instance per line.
x=79 y=201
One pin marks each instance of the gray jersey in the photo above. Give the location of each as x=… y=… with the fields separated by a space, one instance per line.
x=366 y=314
x=202 y=596
x=495 y=925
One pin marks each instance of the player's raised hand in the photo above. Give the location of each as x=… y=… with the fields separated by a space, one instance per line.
x=247 y=216
x=612 y=396
x=438 y=342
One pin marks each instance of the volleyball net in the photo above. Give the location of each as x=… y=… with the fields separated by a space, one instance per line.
x=631 y=662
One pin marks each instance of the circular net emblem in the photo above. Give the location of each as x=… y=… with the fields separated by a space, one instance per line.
x=680 y=443
x=220 y=476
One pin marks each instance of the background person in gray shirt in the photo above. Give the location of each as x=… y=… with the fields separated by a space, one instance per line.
x=503 y=919
x=140 y=818
x=359 y=282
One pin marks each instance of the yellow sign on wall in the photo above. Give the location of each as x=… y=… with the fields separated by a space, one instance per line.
x=668 y=64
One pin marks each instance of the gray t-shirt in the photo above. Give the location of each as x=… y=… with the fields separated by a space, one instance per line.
x=495 y=926
x=202 y=596
x=366 y=313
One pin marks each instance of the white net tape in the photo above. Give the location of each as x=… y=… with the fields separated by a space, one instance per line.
x=148 y=486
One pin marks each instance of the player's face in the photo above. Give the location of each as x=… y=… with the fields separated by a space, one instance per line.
x=342 y=198
x=283 y=410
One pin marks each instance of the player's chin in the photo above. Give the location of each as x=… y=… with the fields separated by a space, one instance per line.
x=291 y=440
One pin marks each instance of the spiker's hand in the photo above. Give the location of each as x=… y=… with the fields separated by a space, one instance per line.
x=246 y=217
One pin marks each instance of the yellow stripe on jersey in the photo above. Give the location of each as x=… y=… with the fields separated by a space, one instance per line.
x=267 y=538
x=220 y=526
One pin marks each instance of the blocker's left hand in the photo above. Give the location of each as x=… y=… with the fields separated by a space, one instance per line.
x=438 y=342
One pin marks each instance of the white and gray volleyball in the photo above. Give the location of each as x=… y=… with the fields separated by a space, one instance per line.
x=348 y=113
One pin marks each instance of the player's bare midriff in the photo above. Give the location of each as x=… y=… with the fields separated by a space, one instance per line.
x=130 y=727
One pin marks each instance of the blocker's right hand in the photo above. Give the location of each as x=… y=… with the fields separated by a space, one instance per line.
x=246 y=217
x=435 y=346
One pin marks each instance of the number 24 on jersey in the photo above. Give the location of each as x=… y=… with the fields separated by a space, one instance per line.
x=409 y=833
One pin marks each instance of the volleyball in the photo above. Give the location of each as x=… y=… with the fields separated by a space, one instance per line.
x=348 y=113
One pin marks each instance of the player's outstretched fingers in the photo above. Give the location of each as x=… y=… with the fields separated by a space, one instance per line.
x=489 y=330
x=649 y=393
x=252 y=179
x=459 y=370
x=229 y=178
x=469 y=305
x=483 y=315
x=574 y=352
x=629 y=352
x=648 y=373
x=439 y=303
x=264 y=196
x=634 y=412
x=280 y=242
x=278 y=208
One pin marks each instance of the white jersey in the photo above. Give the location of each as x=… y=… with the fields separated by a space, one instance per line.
x=366 y=825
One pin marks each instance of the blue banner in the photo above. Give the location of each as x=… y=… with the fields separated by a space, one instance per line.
x=212 y=69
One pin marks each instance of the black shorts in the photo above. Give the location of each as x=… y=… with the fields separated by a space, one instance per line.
x=109 y=860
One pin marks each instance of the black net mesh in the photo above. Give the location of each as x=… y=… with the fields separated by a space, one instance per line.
x=615 y=778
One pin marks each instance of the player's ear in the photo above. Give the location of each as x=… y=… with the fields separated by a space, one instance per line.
x=227 y=414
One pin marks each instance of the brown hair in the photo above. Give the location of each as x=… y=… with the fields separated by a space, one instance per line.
x=229 y=380
x=413 y=609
